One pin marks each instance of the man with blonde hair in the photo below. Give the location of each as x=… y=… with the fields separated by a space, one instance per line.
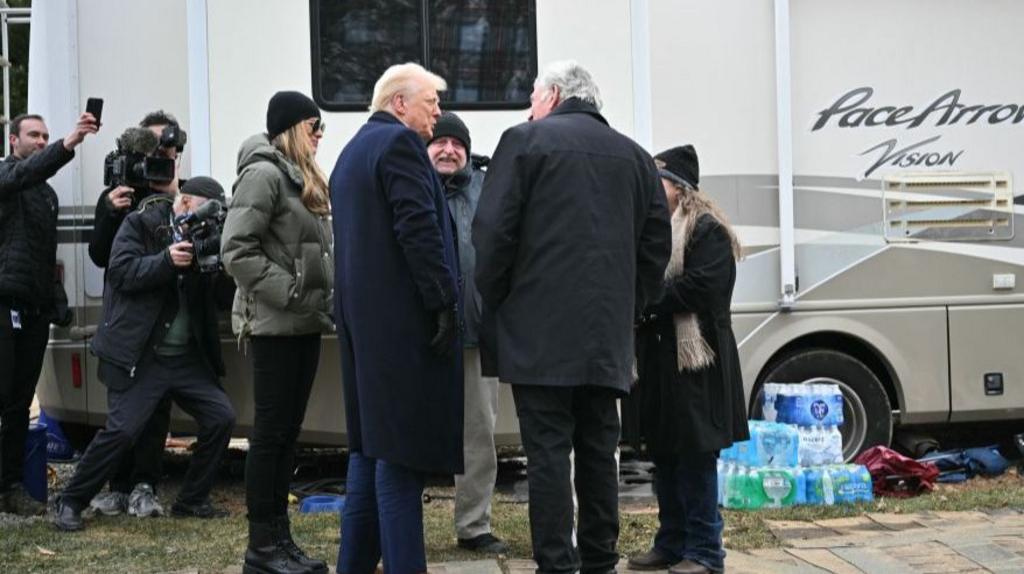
x=398 y=317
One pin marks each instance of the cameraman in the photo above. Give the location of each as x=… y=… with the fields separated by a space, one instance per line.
x=115 y=202
x=158 y=338
x=133 y=486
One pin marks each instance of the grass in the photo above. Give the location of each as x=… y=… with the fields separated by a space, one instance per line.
x=123 y=544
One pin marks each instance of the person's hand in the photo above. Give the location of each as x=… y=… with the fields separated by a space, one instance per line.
x=86 y=125
x=447 y=330
x=120 y=197
x=181 y=254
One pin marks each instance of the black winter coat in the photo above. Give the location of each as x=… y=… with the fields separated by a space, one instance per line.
x=28 y=229
x=107 y=220
x=572 y=236
x=701 y=410
x=141 y=297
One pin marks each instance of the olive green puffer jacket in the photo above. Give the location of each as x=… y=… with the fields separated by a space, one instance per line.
x=280 y=253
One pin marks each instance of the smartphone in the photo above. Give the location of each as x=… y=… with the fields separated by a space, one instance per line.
x=94 y=106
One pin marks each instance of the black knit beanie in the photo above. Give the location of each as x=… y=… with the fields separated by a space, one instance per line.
x=679 y=164
x=203 y=186
x=287 y=109
x=450 y=125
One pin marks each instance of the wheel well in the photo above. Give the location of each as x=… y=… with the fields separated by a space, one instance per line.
x=853 y=346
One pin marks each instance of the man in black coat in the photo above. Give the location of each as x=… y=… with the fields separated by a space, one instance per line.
x=158 y=337
x=30 y=295
x=572 y=237
x=133 y=486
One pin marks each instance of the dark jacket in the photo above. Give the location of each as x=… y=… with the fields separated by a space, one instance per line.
x=396 y=268
x=462 y=191
x=106 y=221
x=700 y=410
x=141 y=297
x=28 y=229
x=572 y=237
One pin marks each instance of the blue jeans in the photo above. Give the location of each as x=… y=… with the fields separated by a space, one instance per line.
x=690 y=524
x=383 y=518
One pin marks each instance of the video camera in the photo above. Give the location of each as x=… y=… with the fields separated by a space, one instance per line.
x=202 y=228
x=134 y=162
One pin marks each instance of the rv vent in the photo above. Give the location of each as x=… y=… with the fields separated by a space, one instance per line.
x=949 y=206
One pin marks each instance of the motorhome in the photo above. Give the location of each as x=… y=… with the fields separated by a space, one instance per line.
x=865 y=150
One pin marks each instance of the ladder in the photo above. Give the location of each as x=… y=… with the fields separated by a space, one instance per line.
x=8 y=16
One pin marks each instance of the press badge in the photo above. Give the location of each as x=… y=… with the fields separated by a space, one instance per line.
x=15 y=319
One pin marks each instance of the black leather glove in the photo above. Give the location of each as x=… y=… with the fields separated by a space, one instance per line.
x=447 y=331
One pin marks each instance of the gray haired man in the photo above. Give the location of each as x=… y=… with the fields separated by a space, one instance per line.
x=449 y=151
x=572 y=237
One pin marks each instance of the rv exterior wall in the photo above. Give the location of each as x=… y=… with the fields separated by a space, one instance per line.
x=870 y=79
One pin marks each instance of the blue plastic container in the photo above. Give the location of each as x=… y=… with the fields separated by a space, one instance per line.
x=322 y=503
x=58 y=448
x=35 y=462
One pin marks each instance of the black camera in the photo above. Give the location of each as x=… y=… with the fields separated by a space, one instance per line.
x=202 y=229
x=173 y=136
x=134 y=164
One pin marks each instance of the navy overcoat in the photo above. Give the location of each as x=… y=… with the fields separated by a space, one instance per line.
x=396 y=267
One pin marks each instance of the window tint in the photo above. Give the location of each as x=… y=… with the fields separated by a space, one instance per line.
x=485 y=49
x=358 y=40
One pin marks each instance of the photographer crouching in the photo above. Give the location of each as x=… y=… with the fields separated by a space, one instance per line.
x=159 y=338
x=143 y=165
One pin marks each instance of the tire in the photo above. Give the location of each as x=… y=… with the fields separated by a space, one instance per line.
x=867 y=414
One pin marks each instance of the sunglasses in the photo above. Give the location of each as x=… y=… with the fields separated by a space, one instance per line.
x=318 y=126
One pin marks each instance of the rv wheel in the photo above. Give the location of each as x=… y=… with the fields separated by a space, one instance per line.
x=867 y=415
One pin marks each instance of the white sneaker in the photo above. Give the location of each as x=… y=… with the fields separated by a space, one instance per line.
x=143 y=502
x=110 y=503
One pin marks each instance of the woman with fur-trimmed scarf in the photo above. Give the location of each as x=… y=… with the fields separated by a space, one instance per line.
x=689 y=396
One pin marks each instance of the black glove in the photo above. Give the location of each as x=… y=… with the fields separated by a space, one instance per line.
x=447 y=331
x=61 y=314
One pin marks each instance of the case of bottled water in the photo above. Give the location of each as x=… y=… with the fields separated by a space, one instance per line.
x=783 y=464
x=770 y=444
x=820 y=445
x=807 y=405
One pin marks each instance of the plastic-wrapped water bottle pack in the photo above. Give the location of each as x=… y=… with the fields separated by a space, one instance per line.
x=803 y=405
x=751 y=488
x=794 y=456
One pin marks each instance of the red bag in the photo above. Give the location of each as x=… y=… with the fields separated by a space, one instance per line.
x=893 y=474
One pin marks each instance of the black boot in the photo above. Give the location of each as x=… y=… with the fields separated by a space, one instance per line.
x=265 y=555
x=284 y=538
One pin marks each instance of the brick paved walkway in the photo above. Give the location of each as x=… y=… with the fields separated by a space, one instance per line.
x=919 y=543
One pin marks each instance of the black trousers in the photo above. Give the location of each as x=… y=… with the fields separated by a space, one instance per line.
x=193 y=386
x=554 y=421
x=145 y=461
x=21 y=359
x=284 y=368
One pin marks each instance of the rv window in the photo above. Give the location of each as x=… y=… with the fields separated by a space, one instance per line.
x=485 y=49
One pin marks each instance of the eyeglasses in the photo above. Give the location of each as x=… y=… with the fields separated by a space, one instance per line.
x=318 y=126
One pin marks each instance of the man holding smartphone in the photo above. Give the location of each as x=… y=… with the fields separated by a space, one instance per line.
x=30 y=295
x=133 y=486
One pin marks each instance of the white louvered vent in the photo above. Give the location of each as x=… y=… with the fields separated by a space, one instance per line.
x=948 y=206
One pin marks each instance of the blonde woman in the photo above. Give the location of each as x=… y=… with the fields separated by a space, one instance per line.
x=690 y=393
x=277 y=245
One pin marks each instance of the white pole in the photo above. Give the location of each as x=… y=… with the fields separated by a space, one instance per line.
x=784 y=129
x=640 y=38
x=198 y=88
